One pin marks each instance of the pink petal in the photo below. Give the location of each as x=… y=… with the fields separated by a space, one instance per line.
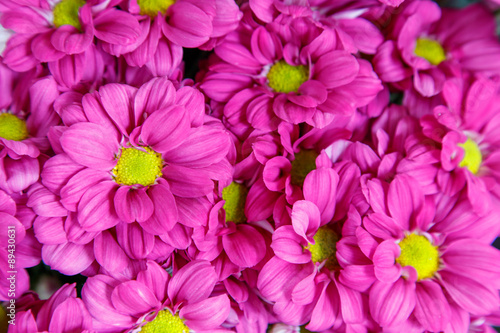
x=77 y=185
x=245 y=247
x=49 y=230
x=136 y=242
x=431 y=307
x=392 y=303
x=134 y=298
x=305 y=219
x=289 y=246
x=116 y=27
x=260 y=202
x=108 y=253
x=192 y=283
x=206 y=314
x=384 y=260
x=96 y=211
x=70 y=315
x=186 y=182
x=320 y=187
x=326 y=310
x=155 y=278
x=89 y=145
x=275 y=171
x=68 y=258
x=335 y=69
x=382 y=226
x=117 y=102
x=165 y=214
x=133 y=204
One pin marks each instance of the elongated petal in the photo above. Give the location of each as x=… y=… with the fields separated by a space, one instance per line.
x=68 y=258
x=155 y=278
x=289 y=246
x=206 y=314
x=96 y=211
x=108 y=253
x=305 y=219
x=320 y=187
x=117 y=101
x=193 y=282
x=245 y=247
x=133 y=204
x=134 y=298
x=392 y=303
x=431 y=308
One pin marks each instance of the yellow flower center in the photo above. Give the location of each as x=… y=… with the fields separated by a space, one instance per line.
x=12 y=128
x=152 y=7
x=430 y=50
x=235 y=196
x=418 y=252
x=304 y=162
x=138 y=167
x=164 y=322
x=472 y=158
x=324 y=247
x=286 y=78
x=66 y=13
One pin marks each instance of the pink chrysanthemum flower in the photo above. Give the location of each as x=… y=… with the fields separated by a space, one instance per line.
x=62 y=312
x=430 y=44
x=50 y=30
x=133 y=155
x=25 y=120
x=156 y=302
x=169 y=25
x=265 y=75
x=427 y=253
x=465 y=130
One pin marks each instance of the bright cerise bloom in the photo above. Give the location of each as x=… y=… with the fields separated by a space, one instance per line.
x=131 y=155
x=265 y=75
x=154 y=301
x=421 y=259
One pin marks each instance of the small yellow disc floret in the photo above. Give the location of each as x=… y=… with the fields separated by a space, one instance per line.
x=152 y=7
x=286 y=78
x=324 y=247
x=137 y=167
x=304 y=162
x=418 y=252
x=472 y=158
x=165 y=322
x=430 y=50
x=12 y=128
x=66 y=13
x=235 y=196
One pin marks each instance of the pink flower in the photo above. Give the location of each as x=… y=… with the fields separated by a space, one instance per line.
x=265 y=75
x=24 y=123
x=180 y=303
x=62 y=312
x=50 y=31
x=428 y=45
x=427 y=253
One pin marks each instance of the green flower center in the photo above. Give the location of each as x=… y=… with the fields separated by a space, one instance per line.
x=66 y=13
x=304 y=162
x=324 y=247
x=430 y=50
x=472 y=158
x=235 y=196
x=152 y=7
x=418 y=252
x=164 y=322
x=12 y=128
x=138 y=167
x=286 y=78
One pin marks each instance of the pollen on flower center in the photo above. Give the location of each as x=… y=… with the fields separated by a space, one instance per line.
x=430 y=50
x=472 y=158
x=12 y=128
x=66 y=13
x=286 y=78
x=324 y=247
x=138 y=167
x=152 y=7
x=304 y=162
x=418 y=252
x=165 y=321
x=235 y=196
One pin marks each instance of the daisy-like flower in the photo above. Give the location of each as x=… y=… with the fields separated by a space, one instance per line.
x=50 y=30
x=429 y=44
x=62 y=312
x=264 y=76
x=156 y=302
x=133 y=156
x=427 y=253
x=25 y=119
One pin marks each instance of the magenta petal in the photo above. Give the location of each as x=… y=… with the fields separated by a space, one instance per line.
x=260 y=202
x=57 y=171
x=108 y=253
x=382 y=226
x=305 y=219
x=206 y=314
x=133 y=204
x=155 y=278
x=95 y=210
x=320 y=187
x=186 y=182
x=470 y=295
x=384 y=260
x=172 y=133
x=193 y=282
x=336 y=69
x=179 y=237
x=305 y=290
x=96 y=293
x=117 y=101
x=136 y=242
x=392 y=303
x=88 y=144
x=49 y=230
x=289 y=246
x=76 y=187
x=70 y=316
x=403 y=199
x=431 y=308
x=68 y=258
x=116 y=27
x=275 y=173
x=326 y=310
x=20 y=173
x=165 y=214
x=351 y=303
x=134 y=298
x=245 y=247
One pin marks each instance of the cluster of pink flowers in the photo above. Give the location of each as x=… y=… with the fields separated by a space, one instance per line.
x=334 y=165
